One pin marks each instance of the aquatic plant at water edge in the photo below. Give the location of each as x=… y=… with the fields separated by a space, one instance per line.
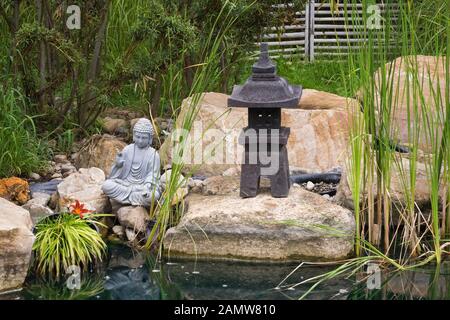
x=66 y=240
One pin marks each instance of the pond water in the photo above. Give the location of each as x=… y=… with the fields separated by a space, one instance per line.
x=131 y=275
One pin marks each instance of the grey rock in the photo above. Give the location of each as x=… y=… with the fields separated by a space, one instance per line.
x=131 y=234
x=40 y=198
x=327 y=196
x=67 y=167
x=35 y=176
x=135 y=218
x=60 y=158
x=310 y=186
x=119 y=230
x=37 y=211
x=57 y=175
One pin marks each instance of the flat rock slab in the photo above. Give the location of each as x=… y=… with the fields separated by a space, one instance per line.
x=303 y=226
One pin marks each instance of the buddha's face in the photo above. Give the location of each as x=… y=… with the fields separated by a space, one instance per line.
x=142 y=140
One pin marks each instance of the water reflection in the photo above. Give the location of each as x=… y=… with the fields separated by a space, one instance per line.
x=427 y=283
x=130 y=275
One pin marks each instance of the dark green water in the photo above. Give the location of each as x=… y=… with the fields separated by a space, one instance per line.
x=129 y=275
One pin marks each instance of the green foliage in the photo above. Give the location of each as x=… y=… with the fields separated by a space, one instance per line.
x=21 y=151
x=66 y=240
x=65 y=141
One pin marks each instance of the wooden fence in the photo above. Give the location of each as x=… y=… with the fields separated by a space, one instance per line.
x=320 y=31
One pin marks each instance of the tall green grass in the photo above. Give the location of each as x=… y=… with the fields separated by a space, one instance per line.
x=375 y=132
x=206 y=74
x=21 y=151
x=64 y=241
x=419 y=234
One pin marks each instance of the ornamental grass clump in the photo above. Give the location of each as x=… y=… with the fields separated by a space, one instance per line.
x=68 y=239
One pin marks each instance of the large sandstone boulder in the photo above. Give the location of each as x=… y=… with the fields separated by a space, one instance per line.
x=86 y=187
x=319 y=133
x=16 y=241
x=100 y=151
x=431 y=74
x=301 y=226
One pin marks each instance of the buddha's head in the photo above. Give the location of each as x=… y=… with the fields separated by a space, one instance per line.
x=143 y=133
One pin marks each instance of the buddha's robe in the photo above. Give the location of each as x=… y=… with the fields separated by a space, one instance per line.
x=136 y=182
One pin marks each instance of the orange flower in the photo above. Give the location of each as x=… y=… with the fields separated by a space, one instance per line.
x=79 y=209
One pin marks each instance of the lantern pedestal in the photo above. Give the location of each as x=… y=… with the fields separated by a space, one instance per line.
x=265 y=140
x=273 y=161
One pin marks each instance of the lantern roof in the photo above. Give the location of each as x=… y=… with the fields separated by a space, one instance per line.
x=265 y=89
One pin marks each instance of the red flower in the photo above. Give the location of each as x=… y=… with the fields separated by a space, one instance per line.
x=79 y=209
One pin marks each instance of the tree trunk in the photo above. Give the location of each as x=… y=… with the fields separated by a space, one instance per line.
x=42 y=59
x=93 y=72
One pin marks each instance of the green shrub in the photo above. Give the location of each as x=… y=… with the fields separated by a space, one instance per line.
x=21 y=151
x=66 y=240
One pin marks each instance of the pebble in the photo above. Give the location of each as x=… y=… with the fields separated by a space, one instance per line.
x=67 y=167
x=60 y=158
x=35 y=176
x=310 y=186
x=131 y=235
x=57 y=175
x=118 y=230
x=326 y=196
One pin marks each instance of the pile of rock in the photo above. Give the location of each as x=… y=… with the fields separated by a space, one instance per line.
x=59 y=168
x=122 y=126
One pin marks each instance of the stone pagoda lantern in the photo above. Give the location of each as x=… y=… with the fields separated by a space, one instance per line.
x=265 y=140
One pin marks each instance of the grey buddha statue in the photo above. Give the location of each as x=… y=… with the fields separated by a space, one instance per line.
x=135 y=175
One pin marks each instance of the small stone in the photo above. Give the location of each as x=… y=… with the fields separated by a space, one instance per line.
x=37 y=211
x=35 y=176
x=40 y=198
x=133 y=217
x=60 y=158
x=165 y=178
x=310 y=186
x=57 y=175
x=53 y=203
x=118 y=230
x=327 y=196
x=131 y=235
x=67 y=168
